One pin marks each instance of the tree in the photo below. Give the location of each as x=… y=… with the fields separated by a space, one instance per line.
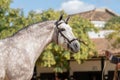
x=4 y=8
x=10 y=19
x=114 y=37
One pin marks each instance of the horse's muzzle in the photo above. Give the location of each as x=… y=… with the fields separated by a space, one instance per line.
x=74 y=46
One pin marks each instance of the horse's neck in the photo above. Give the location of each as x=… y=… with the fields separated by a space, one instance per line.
x=34 y=39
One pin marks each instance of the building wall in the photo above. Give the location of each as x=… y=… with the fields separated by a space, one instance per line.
x=91 y=65
x=99 y=24
x=44 y=70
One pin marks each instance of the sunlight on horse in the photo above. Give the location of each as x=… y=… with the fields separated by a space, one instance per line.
x=19 y=52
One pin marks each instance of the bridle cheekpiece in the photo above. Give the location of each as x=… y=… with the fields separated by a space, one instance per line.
x=60 y=32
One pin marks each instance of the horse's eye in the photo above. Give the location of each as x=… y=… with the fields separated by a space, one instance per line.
x=62 y=29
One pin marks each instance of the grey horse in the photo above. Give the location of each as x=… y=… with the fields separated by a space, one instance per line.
x=19 y=52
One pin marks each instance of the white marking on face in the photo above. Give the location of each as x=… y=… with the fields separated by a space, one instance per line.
x=67 y=33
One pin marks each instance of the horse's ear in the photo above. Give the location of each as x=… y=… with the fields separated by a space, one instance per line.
x=61 y=16
x=66 y=21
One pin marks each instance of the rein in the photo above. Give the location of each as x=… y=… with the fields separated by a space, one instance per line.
x=60 y=31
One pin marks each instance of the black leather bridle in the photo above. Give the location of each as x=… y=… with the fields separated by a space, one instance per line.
x=60 y=32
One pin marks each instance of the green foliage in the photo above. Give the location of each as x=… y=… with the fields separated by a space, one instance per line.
x=11 y=20
x=34 y=17
x=4 y=18
x=51 y=14
x=4 y=5
x=81 y=27
x=113 y=24
x=114 y=37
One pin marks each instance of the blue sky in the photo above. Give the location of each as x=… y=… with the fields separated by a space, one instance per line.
x=70 y=6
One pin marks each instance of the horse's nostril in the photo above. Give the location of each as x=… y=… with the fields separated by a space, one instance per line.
x=75 y=45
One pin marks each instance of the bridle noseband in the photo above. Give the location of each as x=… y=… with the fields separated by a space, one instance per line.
x=59 y=31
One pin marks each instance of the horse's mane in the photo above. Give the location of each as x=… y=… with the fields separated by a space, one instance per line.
x=41 y=24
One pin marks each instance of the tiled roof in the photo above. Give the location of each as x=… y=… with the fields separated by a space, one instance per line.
x=100 y=14
x=103 y=44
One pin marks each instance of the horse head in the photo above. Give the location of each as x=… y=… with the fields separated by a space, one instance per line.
x=64 y=35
